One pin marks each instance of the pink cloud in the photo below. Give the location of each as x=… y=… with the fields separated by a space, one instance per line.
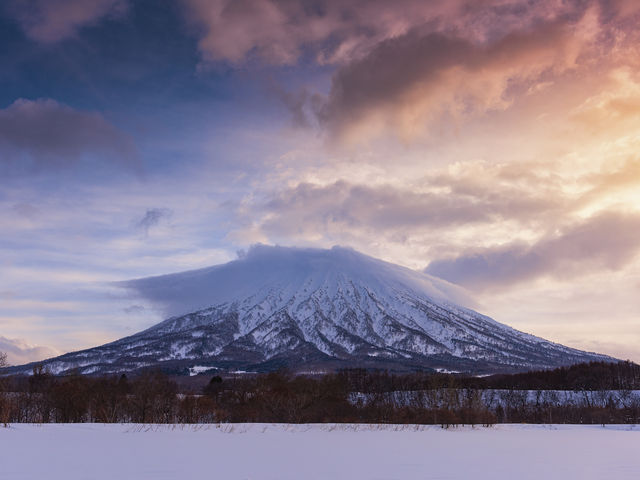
x=49 y=21
x=280 y=31
x=20 y=352
x=405 y=65
x=609 y=240
x=409 y=81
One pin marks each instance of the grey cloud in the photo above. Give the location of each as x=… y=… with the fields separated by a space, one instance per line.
x=281 y=31
x=295 y=102
x=20 y=352
x=430 y=73
x=26 y=210
x=50 y=21
x=132 y=309
x=153 y=217
x=461 y=55
x=44 y=134
x=310 y=207
x=608 y=240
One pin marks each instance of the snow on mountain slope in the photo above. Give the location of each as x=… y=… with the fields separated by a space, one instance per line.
x=316 y=309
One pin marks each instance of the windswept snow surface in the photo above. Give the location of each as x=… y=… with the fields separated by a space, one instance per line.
x=261 y=451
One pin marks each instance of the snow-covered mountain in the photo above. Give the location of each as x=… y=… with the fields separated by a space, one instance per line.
x=312 y=309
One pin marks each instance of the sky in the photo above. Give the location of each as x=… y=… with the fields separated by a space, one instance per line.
x=492 y=143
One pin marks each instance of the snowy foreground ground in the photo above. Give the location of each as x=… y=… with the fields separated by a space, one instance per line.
x=260 y=451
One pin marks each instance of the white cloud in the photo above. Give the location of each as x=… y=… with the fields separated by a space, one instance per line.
x=19 y=351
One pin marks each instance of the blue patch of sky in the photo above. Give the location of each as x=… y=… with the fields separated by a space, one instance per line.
x=141 y=72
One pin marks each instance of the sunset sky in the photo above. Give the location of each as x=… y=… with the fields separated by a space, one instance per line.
x=493 y=143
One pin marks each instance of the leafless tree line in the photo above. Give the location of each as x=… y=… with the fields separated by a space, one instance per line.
x=350 y=396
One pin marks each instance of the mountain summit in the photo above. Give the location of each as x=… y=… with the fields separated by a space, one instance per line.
x=310 y=310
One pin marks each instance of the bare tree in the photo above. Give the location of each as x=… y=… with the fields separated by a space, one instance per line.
x=3 y=400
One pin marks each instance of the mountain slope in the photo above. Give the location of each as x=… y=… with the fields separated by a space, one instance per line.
x=310 y=309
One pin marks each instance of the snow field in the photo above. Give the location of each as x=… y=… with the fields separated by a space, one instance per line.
x=268 y=451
